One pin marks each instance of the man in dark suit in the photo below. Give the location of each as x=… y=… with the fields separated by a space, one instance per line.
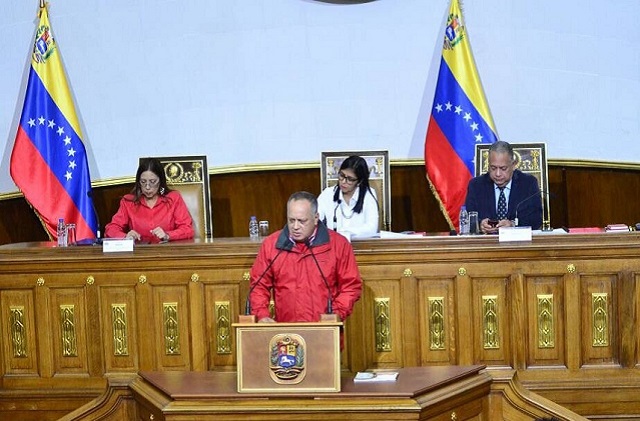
x=504 y=193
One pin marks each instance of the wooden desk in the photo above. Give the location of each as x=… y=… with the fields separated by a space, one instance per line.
x=420 y=393
x=562 y=310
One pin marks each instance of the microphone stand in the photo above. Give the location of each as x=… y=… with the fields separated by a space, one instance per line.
x=247 y=317
x=335 y=217
x=545 y=221
x=329 y=316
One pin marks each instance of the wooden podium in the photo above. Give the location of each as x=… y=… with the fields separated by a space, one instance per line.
x=288 y=357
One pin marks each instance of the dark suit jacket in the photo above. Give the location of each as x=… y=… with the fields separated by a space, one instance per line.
x=525 y=196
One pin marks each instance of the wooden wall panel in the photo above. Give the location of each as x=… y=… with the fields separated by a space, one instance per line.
x=492 y=325
x=19 y=333
x=464 y=271
x=437 y=321
x=171 y=326
x=223 y=301
x=382 y=302
x=238 y=195
x=119 y=329
x=69 y=331
x=599 y=319
x=546 y=329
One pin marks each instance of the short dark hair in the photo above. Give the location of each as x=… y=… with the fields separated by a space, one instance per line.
x=304 y=195
x=500 y=146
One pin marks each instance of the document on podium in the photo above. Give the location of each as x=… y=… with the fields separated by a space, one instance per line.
x=375 y=376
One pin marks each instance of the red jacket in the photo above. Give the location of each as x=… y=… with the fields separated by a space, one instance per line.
x=300 y=293
x=170 y=213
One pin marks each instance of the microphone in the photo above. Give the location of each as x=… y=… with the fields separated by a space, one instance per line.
x=95 y=211
x=329 y=301
x=335 y=217
x=539 y=192
x=247 y=305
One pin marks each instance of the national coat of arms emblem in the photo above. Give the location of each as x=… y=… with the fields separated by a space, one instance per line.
x=287 y=358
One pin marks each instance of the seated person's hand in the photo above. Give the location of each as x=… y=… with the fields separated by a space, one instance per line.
x=487 y=227
x=159 y=232
x=133 y=234
x=266 y=320
x=505 y=223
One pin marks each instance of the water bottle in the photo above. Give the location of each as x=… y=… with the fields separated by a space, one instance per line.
x=62 y=233
x=464 y=221
x=254 y=229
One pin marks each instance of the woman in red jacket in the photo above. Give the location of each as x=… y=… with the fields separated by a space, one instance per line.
x=152 y=212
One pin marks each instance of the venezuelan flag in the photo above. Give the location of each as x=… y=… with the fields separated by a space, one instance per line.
x=49 y=160
x=460 y=118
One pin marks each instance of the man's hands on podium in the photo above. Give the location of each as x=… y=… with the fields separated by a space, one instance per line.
x=490 y=227
x=266 y=320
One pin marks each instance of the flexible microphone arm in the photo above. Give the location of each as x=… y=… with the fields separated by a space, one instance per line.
x=329 y=301
x=247 y=305
x=538 y=193
x=335 y=216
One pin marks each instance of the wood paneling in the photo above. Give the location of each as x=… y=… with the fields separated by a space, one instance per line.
x=579 y=197
x=486 y=298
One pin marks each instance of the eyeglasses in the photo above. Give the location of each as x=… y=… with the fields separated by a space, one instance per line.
x=343 y=177
x=150 y=183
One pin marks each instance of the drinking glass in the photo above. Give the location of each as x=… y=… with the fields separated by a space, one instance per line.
x=474 y=225
x=263 y=228
x=71 y=234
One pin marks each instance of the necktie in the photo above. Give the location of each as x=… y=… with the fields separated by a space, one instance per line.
x=502 y=205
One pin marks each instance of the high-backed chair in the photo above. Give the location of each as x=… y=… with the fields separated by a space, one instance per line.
x=531 y=158
x=379 y=177
x=190 y=176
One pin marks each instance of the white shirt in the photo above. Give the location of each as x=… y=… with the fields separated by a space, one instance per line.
x=347 y=221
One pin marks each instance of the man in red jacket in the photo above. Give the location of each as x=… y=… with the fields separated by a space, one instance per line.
x=301 y=263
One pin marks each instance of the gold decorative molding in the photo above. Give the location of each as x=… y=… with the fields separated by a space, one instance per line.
x=142 y=279
x=246 y=276
x=491 y=325
x=272 y=309
x=90 y=280
x=223 y=327
x=120 y=329
x=382 y=320
x=462 y=271
x=171 y=329
x=69 y=337
x=546 y=331
x=571 y=268
x=18 y=331
x=407 y=273
x=195 y=277
x=436 y=323
x=600 y=319
x=40 y=281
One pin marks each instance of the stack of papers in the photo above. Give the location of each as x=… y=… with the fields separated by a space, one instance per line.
x=617 y=227
x=376 y=376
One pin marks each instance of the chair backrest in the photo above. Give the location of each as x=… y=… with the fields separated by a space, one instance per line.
x=531 y=158
x=190 y=176
x=379 y=177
